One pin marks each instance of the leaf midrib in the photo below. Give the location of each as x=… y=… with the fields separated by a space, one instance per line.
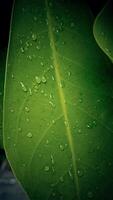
x=62 y=96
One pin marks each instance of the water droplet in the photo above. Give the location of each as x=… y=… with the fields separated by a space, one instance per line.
x=66 y=123
x=12 y=76
x=80 y=100
x=42 y=91
x=46 y=168
x=51 y=66
x=47 y=142
x=34 y=37
x=52 y=104
x=42 y=64
x=70 y=174
x=38 y=47
x=53 y=78
x=23 y=87
x=27 y=109
x=80 y=172
x=61 y=147
x=69 y=73
x=30 y=57
x=44 y=79
x=30 y=91
x=89 y=125
x=29 y=135
x=22 y=49
x=94 y=123
x=53 y=121
x=62 y=84
x=61 y=179
x=79 y=131
x=52 y=160
x=90 y=195
x=38 y=79
x=12 y=110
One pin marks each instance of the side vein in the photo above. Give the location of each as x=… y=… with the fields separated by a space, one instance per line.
x=62 y=97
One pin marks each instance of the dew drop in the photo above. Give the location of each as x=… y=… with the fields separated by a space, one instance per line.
x=52 y=159
x=29 y=135
x=30 y=91
x=61 y=147
x=47 y=142
x=62 y=84
x=12 y=110
x=38 y=47
x=89 y=125
x=27 y=109
x=53 y=121
x=69 y=74
x=44 y=79
x=52 y=104
x=23 y=87
x=46 y=168
x=34 y=37
x=42 y=91
x=80 y=100
x=38 y=79
x=80 y=172
x=42 y=64
x=70 y=174
x=53 y=78
x=22 y=49
x=12 y=76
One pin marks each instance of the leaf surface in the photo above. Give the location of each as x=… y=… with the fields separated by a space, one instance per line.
x=58 y=127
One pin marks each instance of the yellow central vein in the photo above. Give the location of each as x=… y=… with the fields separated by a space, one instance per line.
x=62 y=97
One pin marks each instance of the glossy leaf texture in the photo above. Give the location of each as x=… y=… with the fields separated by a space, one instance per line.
x=103 y=29
x=58 y=114
x=2 y=73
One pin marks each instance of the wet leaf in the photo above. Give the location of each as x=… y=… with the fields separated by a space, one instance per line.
x=58 y=114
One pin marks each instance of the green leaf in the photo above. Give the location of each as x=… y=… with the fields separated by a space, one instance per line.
x=103 y=29
x=58 y=114
x=2 y=72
